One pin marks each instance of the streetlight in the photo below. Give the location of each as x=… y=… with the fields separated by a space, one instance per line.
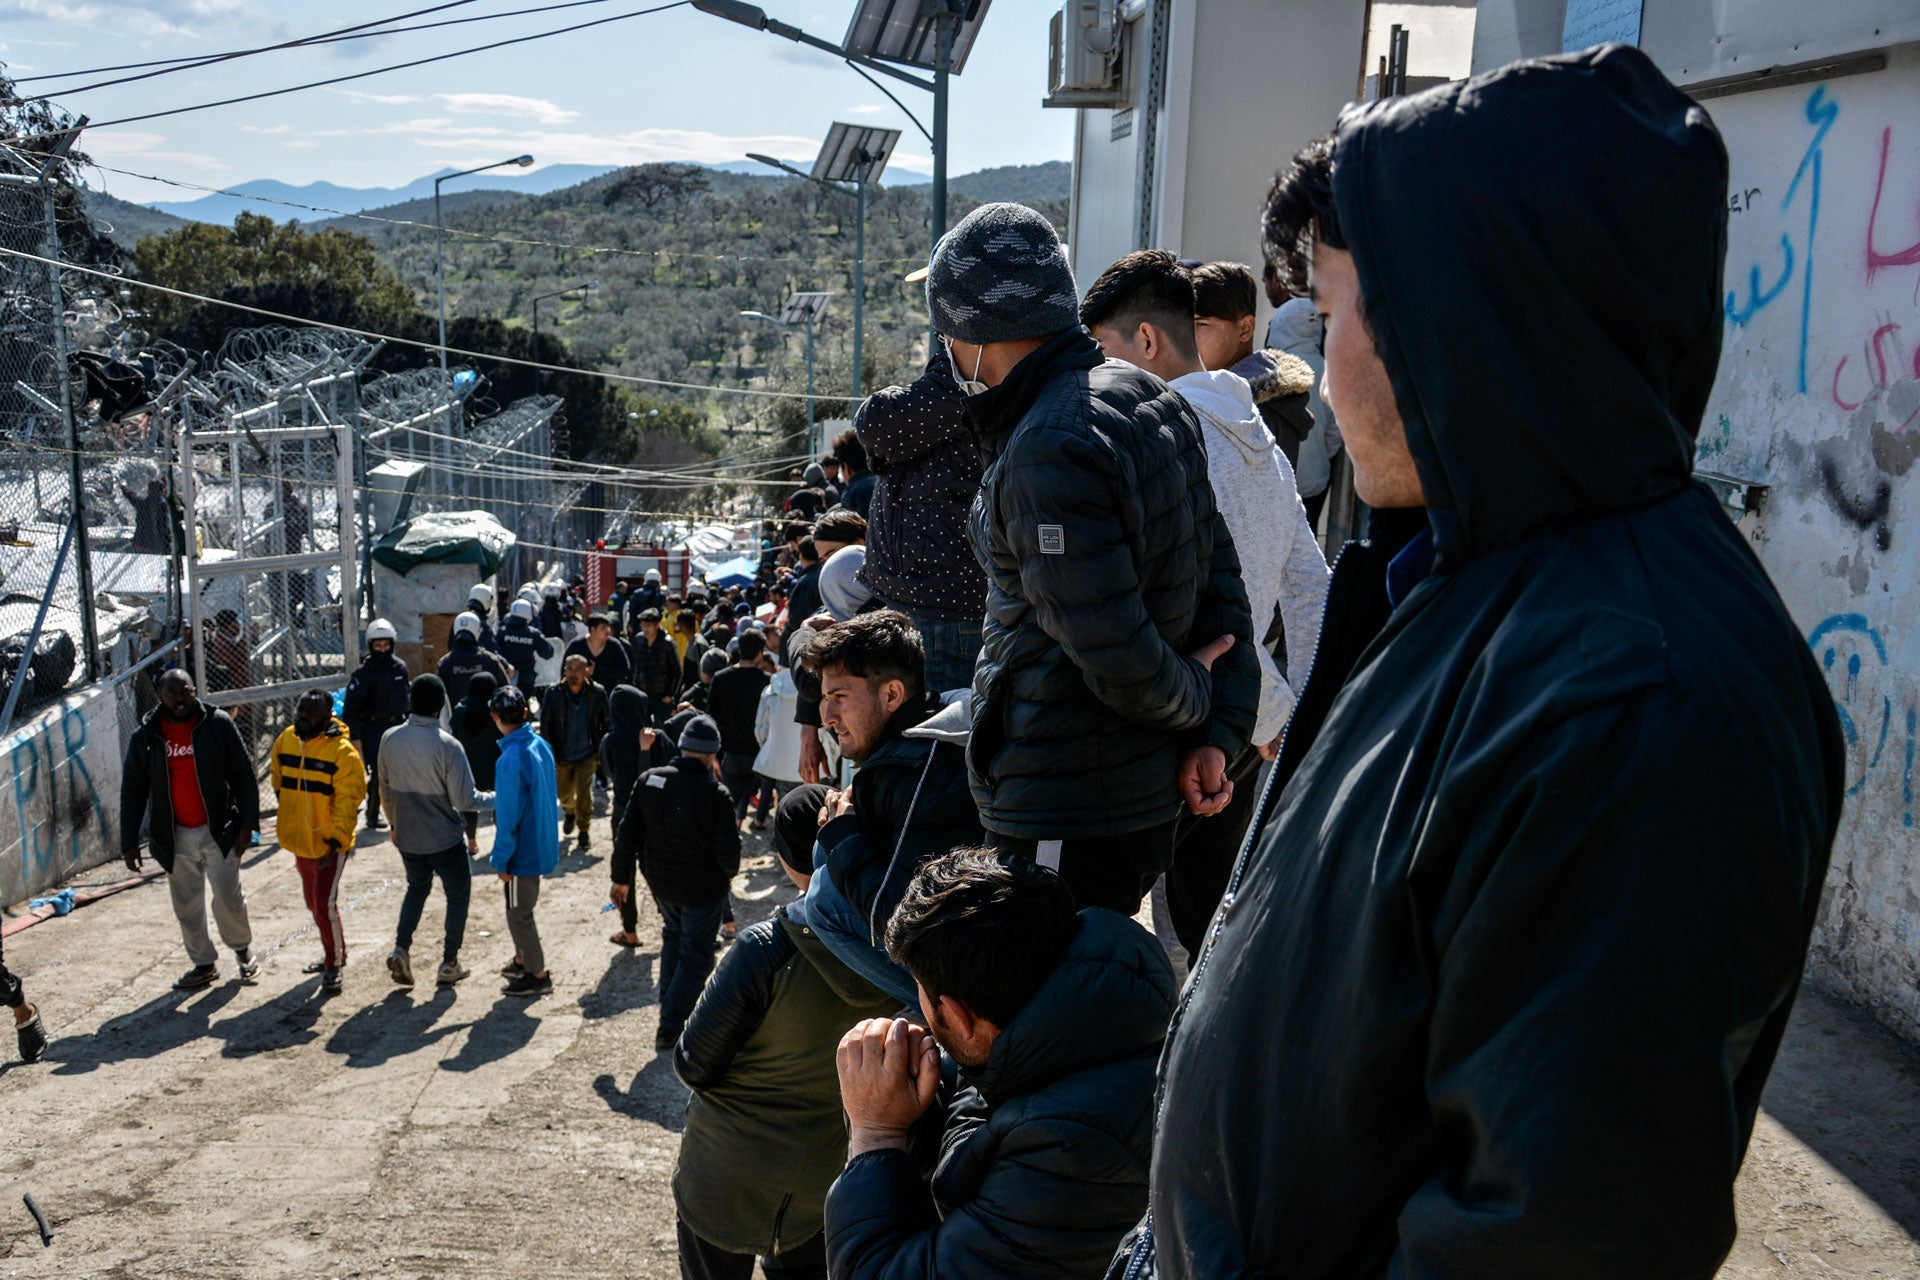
x=440 y=237
x=801 y=308
x=935 y=35
x=585 y=286
x=850 y=159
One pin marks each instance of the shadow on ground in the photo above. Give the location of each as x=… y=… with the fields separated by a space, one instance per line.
x=655 y=1095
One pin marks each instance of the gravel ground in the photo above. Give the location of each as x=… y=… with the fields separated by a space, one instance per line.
x=263 y=1131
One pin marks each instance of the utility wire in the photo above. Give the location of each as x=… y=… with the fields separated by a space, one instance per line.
x=362 y=75
x=375 y=336
x=339 y=37
x=188 y=64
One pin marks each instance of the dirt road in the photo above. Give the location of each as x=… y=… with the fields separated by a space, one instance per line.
x=262 y=1131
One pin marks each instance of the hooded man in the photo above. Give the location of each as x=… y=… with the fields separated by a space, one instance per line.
x=189 y=781
x=376 y=701
x=320 y=781
x=1502 y=979
x=1141 y=310
x=1117 y=675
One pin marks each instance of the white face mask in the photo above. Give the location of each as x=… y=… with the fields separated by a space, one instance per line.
x=968 y=386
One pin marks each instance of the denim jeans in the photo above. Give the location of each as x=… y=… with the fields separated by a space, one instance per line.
x=952 y=647
x=687 y=938
x=456 y=881
x=836 y=922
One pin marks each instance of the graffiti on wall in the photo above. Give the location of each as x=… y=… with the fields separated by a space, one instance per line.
x=58 y=814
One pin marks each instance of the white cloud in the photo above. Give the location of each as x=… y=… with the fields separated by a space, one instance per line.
x=148 y=148
x=254 y=128
x=539 y=110
x=866 y=109
x=911 y=160
x=384 y=99
x=642 y=146
x=147 y=17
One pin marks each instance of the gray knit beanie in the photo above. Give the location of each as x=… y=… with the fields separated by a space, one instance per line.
x=999 y=276
x=701 y=734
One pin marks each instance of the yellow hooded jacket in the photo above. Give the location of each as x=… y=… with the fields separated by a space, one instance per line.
x=321 y=784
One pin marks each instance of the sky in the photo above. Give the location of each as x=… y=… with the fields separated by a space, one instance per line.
x=679 y=85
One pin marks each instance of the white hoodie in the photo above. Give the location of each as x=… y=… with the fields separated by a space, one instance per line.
x=1279 y=560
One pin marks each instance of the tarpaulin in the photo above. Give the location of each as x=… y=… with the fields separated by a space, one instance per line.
x=446 y=537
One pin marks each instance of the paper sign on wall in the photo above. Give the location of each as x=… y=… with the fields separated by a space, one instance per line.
x=1591 y=22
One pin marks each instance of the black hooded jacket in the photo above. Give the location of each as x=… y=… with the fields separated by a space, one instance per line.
x=1497 y=986
x=620 y=747
x=1107 y=564
x=1043 y=1162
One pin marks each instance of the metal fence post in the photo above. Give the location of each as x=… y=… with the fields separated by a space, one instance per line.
x=83 y=564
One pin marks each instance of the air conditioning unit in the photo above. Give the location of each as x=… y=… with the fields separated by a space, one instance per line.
x=1083 y=65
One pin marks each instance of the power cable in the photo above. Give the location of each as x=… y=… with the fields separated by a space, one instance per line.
x=340 y=37
x=189 y=64
x=362 y=75
x=374 y=336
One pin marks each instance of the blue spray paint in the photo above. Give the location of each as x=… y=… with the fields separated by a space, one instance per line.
x=73 y=721
x=1855 y=718
x=1913 y=718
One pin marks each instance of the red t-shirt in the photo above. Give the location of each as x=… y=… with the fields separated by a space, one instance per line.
x=189 y=808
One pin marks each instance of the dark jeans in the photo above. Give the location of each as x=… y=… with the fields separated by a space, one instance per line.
x=1204 y=850
x=372 y=757
x=11 y=993
x=456 y=881
x=1313 y=506
x=700 y=1260
x=952 y=647
x=687 y=939
x=1115 y=872
x=738 y=777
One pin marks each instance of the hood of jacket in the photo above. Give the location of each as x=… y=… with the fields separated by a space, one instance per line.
x=1225 y=400
x=1110 y=997
x=1275 y=374
x=1296 y=325
x=1551 y=391
x=628 y=707
x=951 y=723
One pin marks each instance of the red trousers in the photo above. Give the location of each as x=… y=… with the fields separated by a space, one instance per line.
x=320 y=882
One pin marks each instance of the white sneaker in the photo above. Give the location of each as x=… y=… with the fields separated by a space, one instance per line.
x=400 y=965
x=451 y=972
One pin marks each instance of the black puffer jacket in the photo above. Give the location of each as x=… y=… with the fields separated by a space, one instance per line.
x=1500 y=981
x=1043 y=1164
x=679 y=830
x=1108 y=565
x=465 y=657
x=926 y=471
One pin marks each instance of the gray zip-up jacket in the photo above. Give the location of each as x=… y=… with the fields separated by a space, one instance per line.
x=427 y=785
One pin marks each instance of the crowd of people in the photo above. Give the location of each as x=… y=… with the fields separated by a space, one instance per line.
x=1479 y=982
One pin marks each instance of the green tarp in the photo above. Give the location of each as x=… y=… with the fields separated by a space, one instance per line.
x=446 y=537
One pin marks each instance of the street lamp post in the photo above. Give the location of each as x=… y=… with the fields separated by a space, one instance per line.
x=936 y=36
x=440 y=237
x=804 y=307
x=586 y=286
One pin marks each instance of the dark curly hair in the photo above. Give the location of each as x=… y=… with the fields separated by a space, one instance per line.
x=1300 y=214
x=882 y=645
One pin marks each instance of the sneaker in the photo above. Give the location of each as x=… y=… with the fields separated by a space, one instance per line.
x=400 y=965
x=330 y=980
x=513 y=970
x=451 y=971
x=376 y=823
x=527 y=986
x=585 y=842
x=201 y=975
x=566 y=825
x=249 y=967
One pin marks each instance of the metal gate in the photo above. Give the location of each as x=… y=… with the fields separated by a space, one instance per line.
x=272 y=556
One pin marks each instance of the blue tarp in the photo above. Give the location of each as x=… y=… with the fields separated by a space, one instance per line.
x=734 y=573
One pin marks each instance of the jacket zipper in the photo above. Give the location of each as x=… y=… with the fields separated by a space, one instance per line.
x=1246 y=843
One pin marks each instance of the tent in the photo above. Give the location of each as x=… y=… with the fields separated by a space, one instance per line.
x=733 y=573
x=446 y=537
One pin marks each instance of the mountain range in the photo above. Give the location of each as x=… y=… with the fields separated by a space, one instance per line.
x=259 y=195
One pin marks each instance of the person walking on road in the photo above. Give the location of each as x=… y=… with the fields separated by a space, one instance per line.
x=681 y=836
x=526 y=840
x=656 y=667
x=574 y=716
x=478 y=736
x=189 y=780
x=376 y=701
x=30 y=1034
x=320 y=782
x=429 y=789
x=465 y=656
x=734 y=701
x=608 y=660
x=522 y=645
